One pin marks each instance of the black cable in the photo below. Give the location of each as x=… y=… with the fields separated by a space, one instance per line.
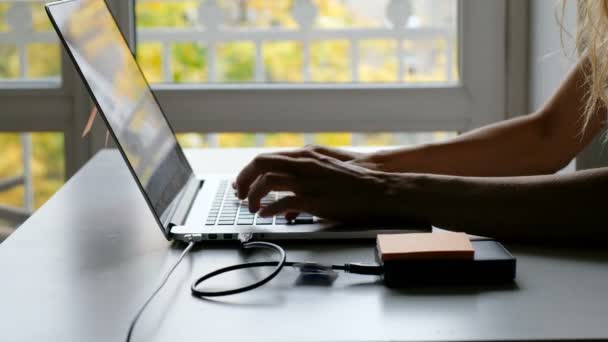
x=256 y=244
x=303 y=266
x=160 y=286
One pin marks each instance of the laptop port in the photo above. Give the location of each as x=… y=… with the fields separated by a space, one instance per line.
x=227 y=236
x=212 y=236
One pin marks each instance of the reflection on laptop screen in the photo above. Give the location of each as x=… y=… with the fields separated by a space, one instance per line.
x=124 y=98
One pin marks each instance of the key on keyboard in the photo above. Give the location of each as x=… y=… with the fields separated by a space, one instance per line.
x=227 y=210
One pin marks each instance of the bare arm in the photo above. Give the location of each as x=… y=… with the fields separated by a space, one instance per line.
x=538 y=143
x=548 y=207
x=554 y=207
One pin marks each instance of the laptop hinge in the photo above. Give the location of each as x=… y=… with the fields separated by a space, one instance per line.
x=181 y=210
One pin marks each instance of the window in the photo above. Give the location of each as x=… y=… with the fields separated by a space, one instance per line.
x=331 y=65
x=33 y=160
x=285 y=139
x=29 y=50
x=323 y=41
x=286 y=44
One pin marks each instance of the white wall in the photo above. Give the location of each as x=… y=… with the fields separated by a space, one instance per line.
x=549 y=61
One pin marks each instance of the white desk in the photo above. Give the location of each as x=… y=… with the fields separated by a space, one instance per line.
x=80 y=267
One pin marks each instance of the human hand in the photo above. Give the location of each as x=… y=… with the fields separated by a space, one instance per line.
x=365 y=160
x=327 y=183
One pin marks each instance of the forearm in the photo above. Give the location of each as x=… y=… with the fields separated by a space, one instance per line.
x=535 y=144
x=508 y=148
x=557 y=207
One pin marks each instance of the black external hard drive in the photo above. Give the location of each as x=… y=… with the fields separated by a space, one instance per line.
x=492 y=264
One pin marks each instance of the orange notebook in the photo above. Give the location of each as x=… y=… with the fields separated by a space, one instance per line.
x=424 y=246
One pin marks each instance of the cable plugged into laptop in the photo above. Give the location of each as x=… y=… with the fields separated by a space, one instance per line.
x=193 y=238
x=159 y=287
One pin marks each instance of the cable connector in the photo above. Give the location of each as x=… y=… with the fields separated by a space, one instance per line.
x=193 y=237
x=245 y=237
x=364 y=269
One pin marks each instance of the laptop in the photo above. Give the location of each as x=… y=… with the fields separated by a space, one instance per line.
x=184 y=205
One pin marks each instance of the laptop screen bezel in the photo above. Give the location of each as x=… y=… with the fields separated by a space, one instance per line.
x=164 y=222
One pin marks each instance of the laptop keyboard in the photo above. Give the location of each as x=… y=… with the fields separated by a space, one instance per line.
x=229 y=210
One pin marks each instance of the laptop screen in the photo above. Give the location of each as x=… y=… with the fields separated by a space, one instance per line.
x=124 y=98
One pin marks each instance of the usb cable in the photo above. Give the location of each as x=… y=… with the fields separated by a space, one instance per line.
x=157 y=290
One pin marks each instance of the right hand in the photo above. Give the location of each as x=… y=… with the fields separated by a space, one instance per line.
x=314 y=151
x=320 y=185
x=357 y=159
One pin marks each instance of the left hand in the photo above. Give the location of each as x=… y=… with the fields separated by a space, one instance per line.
x=322 y=185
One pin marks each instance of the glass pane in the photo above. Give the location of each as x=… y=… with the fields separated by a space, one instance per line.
x=193 y=140
x=29 y=49
x=45 y=154
x=378 y=61
x=236 y=140
x=44 y=60
x=330 y=61
x=9 y=61
x=40 y=20
x=283 y=140
x=337 y=14
x=149 y=56
x=427 y=61
x=189 y=62
x=284 y=62
x=173 y=14
x=258 y=14
x=236 y=62
x=287 y=41
x=333 y=139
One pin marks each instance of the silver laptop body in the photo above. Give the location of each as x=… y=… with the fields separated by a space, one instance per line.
x=182 y=204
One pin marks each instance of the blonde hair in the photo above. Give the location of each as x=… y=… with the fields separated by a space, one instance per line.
x=592 y=44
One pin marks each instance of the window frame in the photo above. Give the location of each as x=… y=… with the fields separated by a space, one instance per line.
x=44 y=106
x=477 y=99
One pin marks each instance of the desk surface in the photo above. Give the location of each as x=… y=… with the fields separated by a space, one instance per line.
x=81 y=266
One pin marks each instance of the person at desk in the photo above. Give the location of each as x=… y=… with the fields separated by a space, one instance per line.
x=495 y=181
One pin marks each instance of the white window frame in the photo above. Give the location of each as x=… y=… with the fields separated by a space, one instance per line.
x=477 y=99
x=44 y=106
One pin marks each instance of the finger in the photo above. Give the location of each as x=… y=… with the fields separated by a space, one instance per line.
x=266 y=183
x=259 y=165
x=313 y=151
x=272 y=163
x=286 y=204
x=291 y=215
x=334 y=153
x=302 y=153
